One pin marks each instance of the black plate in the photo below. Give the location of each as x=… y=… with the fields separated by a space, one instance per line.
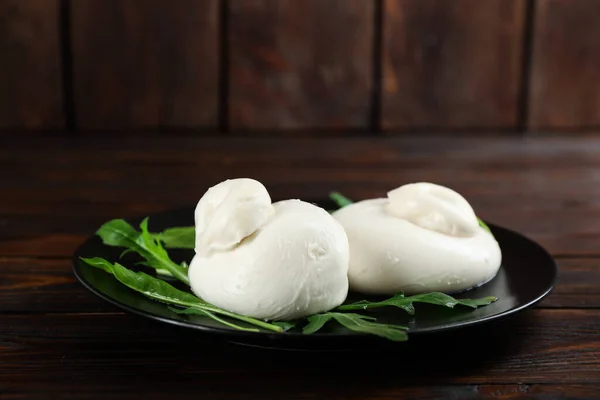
x=528 y=274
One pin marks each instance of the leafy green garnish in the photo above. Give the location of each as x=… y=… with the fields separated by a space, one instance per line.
x=316 y=322
x=406 y=303
x=150 y=286
x=181 y=237
x=484 y=226
x=285 y=325
x=357 y=323
x=120 y=233
x=340 y=199
x=343 y=201
x=163 y=292
x=203 y=312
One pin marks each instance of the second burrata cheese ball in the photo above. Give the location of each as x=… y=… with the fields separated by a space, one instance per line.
x=422 y=238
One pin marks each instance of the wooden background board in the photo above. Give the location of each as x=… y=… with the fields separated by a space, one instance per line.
x=300 y=64
x=565 y=76
x=30 y=64
x=451 y=64
x=274 y=66
x=145 y=63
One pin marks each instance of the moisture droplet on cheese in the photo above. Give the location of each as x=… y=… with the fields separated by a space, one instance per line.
x=279 y=261
x=421 y=238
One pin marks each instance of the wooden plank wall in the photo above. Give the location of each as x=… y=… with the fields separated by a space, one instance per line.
x=145 y=63
x=452 y=64
x=565 y=75
x=30 y=65
x=300 y=64
x=212 y=66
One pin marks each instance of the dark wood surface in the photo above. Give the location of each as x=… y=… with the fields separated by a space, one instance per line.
x=299 y=64
x=565 y=63
x=451 y=64
x=58 y=341
x=145 y=63
x=30 y=66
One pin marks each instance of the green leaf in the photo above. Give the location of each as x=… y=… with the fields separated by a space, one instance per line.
x=316 y=322
x=182 y=237
x=357 y=323
x=340 y=199
x=162 y=291
x=125 y=252
x=147 y=285
x=162 y=272
x=285 y=325
x=475 y=303
x=118 y=232
x=398 y=300
x=198 y=311
x=406 y=303
x=484 y=226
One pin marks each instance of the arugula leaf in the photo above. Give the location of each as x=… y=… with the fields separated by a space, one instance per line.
x=120 y=233
x=154 y=288
x=340 y=199
x=198 y=311
x=406 y=303
x=162 y=272
x=316 y=322
x=163 y=292
x=357 y=323
x=181 y=237
x=285 y=325
x=484 y=226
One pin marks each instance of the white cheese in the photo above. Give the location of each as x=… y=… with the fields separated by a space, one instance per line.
x=422 y=238
x=278 y=261
x=229 y=212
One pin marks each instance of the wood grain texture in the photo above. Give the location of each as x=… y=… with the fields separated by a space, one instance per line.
x=577 y=286
x=57 y=340
x=30 y=87
x=535 y=392
x=30 y=285
x=145 y=63
x=123 y=389
x=451 y=64
x=86 y=346
x=300 y=64
x=565 y=65
x=546 y=188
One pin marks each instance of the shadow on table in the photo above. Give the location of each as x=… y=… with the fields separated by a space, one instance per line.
x=152 y=360
x=433 y=359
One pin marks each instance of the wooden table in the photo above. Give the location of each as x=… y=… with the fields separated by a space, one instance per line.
x=57 y=340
